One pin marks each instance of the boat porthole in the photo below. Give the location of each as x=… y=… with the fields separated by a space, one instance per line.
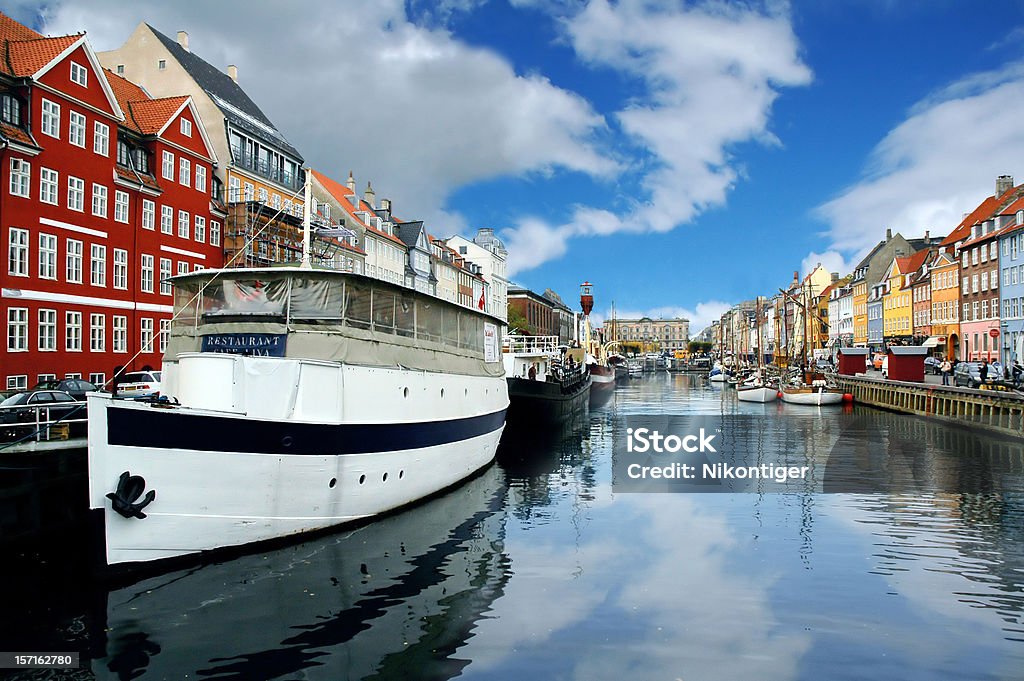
x=332 y=483
x=405 y=392
x=286 y=441
x=401 y=474
x=385 y=478
x=362 y=479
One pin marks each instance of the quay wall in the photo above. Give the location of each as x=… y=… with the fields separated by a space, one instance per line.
x=992 y=410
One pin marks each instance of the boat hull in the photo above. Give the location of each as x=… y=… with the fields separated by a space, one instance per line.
x=544 y=403
x=756 y=394
x=225 y=480
x=814 y=397
x=602 y=378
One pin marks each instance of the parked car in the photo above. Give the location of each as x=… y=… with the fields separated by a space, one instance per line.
x=969 y=373
x=932 y=364
x=75 y=387
x=31 y=406
x=139 y=384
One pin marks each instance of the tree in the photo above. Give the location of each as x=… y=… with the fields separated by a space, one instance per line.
x=517 y=323
x=698 y=347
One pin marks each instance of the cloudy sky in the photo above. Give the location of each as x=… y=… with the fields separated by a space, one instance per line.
x=682 y=156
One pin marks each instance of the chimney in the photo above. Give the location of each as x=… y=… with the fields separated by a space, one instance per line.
x=183 y=40
x=835 y=277
x=385 y=204
x=888 y=234
x=927 y=233
x=351 y=183
x=1004 y=183
x=369 y=196
x=233 y=72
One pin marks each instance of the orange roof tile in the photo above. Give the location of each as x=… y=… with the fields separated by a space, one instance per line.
x=126 y=92
x=13 y=30
x=983 y=212
x=17 y=134
x=344 y=196
x=152 y=115
x=131 y=176
x=26 y=57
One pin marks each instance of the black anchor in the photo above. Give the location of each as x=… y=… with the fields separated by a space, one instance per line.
x=129 y=489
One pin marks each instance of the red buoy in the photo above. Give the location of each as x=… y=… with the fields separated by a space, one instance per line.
x=848 y=398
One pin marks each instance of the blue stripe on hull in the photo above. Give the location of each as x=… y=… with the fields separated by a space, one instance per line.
x=173 y=429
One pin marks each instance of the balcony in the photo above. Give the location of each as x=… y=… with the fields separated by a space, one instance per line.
x=264 y=168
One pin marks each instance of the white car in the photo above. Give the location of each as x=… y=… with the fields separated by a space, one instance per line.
x=139 y=384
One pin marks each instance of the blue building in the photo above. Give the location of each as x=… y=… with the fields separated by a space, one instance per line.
x=1011 y=291
x=876 y=326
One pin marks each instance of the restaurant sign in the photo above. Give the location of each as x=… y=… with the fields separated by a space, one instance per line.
x=256 y=344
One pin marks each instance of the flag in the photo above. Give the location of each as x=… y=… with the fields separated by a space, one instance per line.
x=481 y=302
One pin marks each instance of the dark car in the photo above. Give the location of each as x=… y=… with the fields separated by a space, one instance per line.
x=969 y=373
x=20 y=412
x=932 y=364
x=75 y=387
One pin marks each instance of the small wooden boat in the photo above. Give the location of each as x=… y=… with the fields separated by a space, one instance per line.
x=814 y=395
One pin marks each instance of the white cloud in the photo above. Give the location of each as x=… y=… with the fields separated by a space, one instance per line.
x=830 y=260
x=361 y=87
x=709 y=74
x=936 y=165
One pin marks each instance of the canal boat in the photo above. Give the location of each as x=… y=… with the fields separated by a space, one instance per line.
x=294 y=400
x=816 y=393
x=602 y=373
x=757 y=387
x=546 y=384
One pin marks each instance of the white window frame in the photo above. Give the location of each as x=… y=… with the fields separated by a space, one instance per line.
x=99 y=200
x=97 y=332
x=72 y=331
x=120 y=267
x=184 y=171
x=98 y=265
x=200 y=178
x=49 y=121
x=186 y=127
x=76 y=194
x=46 y=333
x=184 y=224
x=121 y=206
x=47 y=256
x=17 y=329
x=17 y=252
x=119 y=333
x=146 y=274
x=200 y=233
x=166 y=220
x=165 y=332
x=167 y=166
x=165 y=277
x=21 y=178
x=214 y=233
x=49 y=181
x=73 y=255
x=79 y=74
x=146 y=334
x=76 y=129
x=101 y=138
x=148 y=214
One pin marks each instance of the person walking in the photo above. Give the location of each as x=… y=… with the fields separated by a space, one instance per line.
x=945 y=368
x=984 y=371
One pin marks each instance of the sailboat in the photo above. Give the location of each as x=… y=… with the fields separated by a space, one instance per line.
x=813 y=388
x=756 y=388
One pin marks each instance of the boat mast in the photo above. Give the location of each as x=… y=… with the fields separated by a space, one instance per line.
x=307 y=209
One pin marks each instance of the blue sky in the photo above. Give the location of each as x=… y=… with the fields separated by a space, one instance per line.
x=681 y=156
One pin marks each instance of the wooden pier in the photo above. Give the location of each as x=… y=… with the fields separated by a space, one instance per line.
x=993 y=410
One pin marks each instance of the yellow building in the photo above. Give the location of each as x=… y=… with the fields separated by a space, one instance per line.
x=860 y=313
x=898 y=301
x=945 y=304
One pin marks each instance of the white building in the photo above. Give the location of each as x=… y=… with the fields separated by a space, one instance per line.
x=487 y=251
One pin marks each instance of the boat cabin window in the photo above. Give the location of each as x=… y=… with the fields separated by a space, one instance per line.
x=352 y=302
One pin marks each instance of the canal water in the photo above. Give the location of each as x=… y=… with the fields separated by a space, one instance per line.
x=539 y=569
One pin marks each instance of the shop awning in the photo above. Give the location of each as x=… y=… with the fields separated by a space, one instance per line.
x=934 y=341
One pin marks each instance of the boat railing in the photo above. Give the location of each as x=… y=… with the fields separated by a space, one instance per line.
x=530 y=345
x=42 y=422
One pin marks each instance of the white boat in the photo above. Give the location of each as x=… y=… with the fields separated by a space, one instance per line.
x=756 y=392
x=296 y=400
x=717 y=374
x=815 y=395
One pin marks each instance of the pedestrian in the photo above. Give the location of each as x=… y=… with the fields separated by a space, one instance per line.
x=945 y=368
x=1018 y=372
x=984 y=371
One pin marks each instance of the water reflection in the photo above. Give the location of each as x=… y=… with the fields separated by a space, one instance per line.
x=392 y=599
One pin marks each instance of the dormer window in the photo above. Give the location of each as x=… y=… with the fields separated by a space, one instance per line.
x=11 y=109
x=1020 y=217
x=141 y=160
x=122 y=153
x=79 y=74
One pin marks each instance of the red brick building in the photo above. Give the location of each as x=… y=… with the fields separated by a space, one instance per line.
x=104 y=193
